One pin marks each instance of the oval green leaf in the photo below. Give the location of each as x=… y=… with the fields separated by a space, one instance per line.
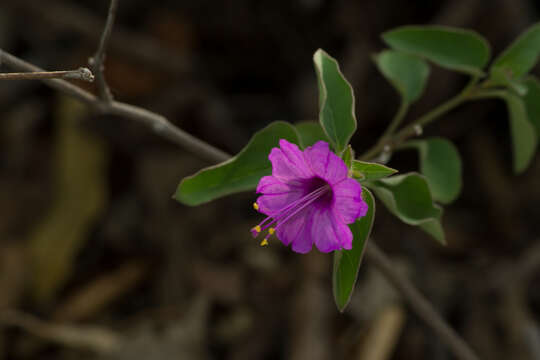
x=524 y=138
x=408 y=197
x=407 y=73
x=336 y=101
x=440 y=163
x=435 y=229
x=240 y=173
x=347 y=262
x=366 y=171
x=309 y=133
x=532 y=102
x=520 y=57
x=451 y=48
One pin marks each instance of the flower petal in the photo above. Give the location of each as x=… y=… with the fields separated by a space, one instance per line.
x=324 y=163
x=288 y=163
x=348 y=202
x=297 y=231
x=329 y=233
x=276 y=194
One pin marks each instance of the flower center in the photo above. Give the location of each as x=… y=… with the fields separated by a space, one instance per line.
x=325 y=199
x=318 y=193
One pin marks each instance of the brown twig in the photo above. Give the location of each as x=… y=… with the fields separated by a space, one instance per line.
x=158 y=123
x=81 y=73
x=97 y=61
x=141 y=48
x=164 y=128
x=420 y=304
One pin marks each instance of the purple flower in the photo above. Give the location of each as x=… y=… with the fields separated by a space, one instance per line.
x=309 y=199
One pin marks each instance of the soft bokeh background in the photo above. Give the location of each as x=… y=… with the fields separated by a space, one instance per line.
x=97 y=260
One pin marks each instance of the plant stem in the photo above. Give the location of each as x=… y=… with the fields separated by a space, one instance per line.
x=79 y=74
x=396 y=121
x=157 y=123
x=424 y=120
x=398 y=117
x=389 y=139
x=96 y=62
x=488 y=94
x=466 y=94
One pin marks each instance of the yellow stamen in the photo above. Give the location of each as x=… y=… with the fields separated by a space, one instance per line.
x=257 y=228
x=271 y=230
x=256 y=206
x=264 y=242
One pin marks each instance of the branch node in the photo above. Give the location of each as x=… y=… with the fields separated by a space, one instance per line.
x=96 y=62
x=82 y=73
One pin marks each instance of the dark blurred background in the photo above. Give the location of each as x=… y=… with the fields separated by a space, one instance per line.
x=97 y=260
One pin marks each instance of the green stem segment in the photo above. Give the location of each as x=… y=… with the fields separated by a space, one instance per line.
x=386 y=137
x=434 y=114
x=396 y=121
x=470 y=92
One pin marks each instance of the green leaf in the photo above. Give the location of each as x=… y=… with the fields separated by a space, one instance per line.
x=366 y=171
x=520 y=57
x=451 y=48
x=239 y=173
x=407 y=73
x=532 y=102
x=310 y=132
x=408 y=197
x=336 y=101
x=524 y=138
x=347 y=262
x=441 y=165
x=348 y=156
x=435 y=229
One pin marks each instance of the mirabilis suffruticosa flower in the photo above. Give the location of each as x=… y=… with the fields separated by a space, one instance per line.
x=308 y=199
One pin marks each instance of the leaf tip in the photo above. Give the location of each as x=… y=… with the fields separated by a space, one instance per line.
x=318 y=55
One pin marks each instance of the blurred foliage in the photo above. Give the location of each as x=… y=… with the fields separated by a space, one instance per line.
x=79 y=200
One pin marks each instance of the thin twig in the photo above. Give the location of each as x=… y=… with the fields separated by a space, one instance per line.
x=20 y=65
x=158 y=123
x=81 y=73
x=420 y=304
x=141 y=48
x=97 y=61
x=398 y=118
x=163 y=127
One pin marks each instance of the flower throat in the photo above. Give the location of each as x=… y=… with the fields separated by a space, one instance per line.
x=320 y=192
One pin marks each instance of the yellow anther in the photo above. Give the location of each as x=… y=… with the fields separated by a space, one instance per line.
x=257 y=228
x=256 y=206
x=264 y=242
x=271 y=230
